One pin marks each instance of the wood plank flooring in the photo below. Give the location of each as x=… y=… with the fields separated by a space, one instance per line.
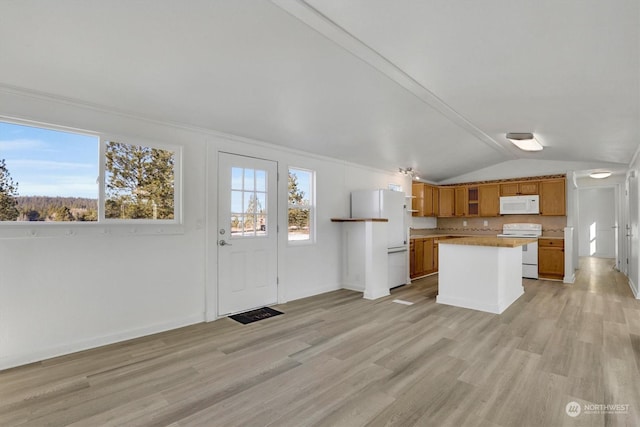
x=339 y=360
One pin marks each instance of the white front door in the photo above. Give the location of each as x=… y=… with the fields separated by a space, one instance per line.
x=247 y=233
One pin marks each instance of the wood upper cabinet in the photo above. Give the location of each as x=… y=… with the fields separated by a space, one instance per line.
x=426 y=198
x=460 y=201
x=509 y=189
x=447 y=202
x=519 y=188
x=472 y=201
x=483 y=199
x=489 y=200
x=551 y=258
x=528 y=188
x=417 y=203
x=552 y=197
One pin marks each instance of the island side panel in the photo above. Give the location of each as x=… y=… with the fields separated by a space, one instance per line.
x=510 y=277
x=482 y=278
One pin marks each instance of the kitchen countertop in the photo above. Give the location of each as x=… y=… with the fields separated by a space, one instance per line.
x=499 y=242
x=433 y=235
x=429 y=236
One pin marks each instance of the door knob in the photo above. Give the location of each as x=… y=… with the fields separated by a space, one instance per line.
x=223 y=243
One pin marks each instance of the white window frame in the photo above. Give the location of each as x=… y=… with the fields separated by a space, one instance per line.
x=177 y=180
x=312 y=208
x=102 y=139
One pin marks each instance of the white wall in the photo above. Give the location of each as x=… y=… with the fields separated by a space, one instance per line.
x=632 y=243
x=77 y=287
x=597 y=217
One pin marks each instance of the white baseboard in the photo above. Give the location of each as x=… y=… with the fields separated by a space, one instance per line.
x=476 y=305
x=569 y=279
x=292 y=296
x=73 y=347
x=634 y=288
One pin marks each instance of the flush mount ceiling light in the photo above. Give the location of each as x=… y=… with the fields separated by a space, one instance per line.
x=600 y=174
x=524 y=141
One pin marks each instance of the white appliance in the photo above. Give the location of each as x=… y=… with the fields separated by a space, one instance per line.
x=391 y=205
x=510 y=205
x=530 y=250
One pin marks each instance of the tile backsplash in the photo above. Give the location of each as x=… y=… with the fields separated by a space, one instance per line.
x=552 y=226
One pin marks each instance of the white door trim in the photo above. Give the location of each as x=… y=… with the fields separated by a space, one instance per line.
x=253 y=281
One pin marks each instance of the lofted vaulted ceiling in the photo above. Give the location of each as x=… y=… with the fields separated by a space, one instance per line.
x=431 y=84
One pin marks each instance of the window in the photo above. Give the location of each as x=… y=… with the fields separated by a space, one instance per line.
x=47 y=174
x=139 y=182
x=301 y=204
x=50 y=175
x=248 y=202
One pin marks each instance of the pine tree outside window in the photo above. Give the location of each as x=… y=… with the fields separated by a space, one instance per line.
x=301 y=210
x=140 y=182
x=51 y=174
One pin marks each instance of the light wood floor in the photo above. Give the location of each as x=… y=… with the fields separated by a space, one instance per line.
x=338 y=360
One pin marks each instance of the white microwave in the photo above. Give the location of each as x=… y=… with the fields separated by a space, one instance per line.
x=514 y=205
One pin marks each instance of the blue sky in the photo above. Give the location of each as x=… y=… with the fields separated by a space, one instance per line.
x=50 y=163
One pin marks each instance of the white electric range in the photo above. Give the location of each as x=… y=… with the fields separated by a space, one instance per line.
x=530 y=250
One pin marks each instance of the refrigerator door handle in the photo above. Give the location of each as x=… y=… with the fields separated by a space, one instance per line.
x=396 y=250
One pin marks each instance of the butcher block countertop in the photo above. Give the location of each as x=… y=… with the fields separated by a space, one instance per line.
x=498 y=242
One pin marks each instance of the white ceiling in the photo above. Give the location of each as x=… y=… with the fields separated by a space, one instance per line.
x=433 y=84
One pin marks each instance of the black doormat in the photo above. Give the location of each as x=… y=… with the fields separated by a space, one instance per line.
x=255 y=315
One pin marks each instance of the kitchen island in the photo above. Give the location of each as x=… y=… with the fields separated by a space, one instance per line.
x=482 y=273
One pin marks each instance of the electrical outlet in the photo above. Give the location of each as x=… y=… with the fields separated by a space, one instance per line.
x=486 y=223
x=464 y=223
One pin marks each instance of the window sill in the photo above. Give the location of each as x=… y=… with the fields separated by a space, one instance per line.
x=59 y=229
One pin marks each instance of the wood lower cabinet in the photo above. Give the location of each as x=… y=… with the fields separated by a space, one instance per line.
x=551 y=258
x=412 y=257
x=421 y=257
x=553 y=198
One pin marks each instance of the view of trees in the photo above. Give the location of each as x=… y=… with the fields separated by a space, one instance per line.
x=140 y=182
x=253 y=219
x=43 y=208
x=298 y=206
x=8 y=193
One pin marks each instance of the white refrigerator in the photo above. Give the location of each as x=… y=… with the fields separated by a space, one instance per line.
x=391 y=205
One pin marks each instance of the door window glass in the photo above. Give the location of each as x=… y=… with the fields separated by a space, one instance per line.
x=248 y=202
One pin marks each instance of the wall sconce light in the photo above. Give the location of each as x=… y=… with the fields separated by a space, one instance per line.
x=600 y=174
